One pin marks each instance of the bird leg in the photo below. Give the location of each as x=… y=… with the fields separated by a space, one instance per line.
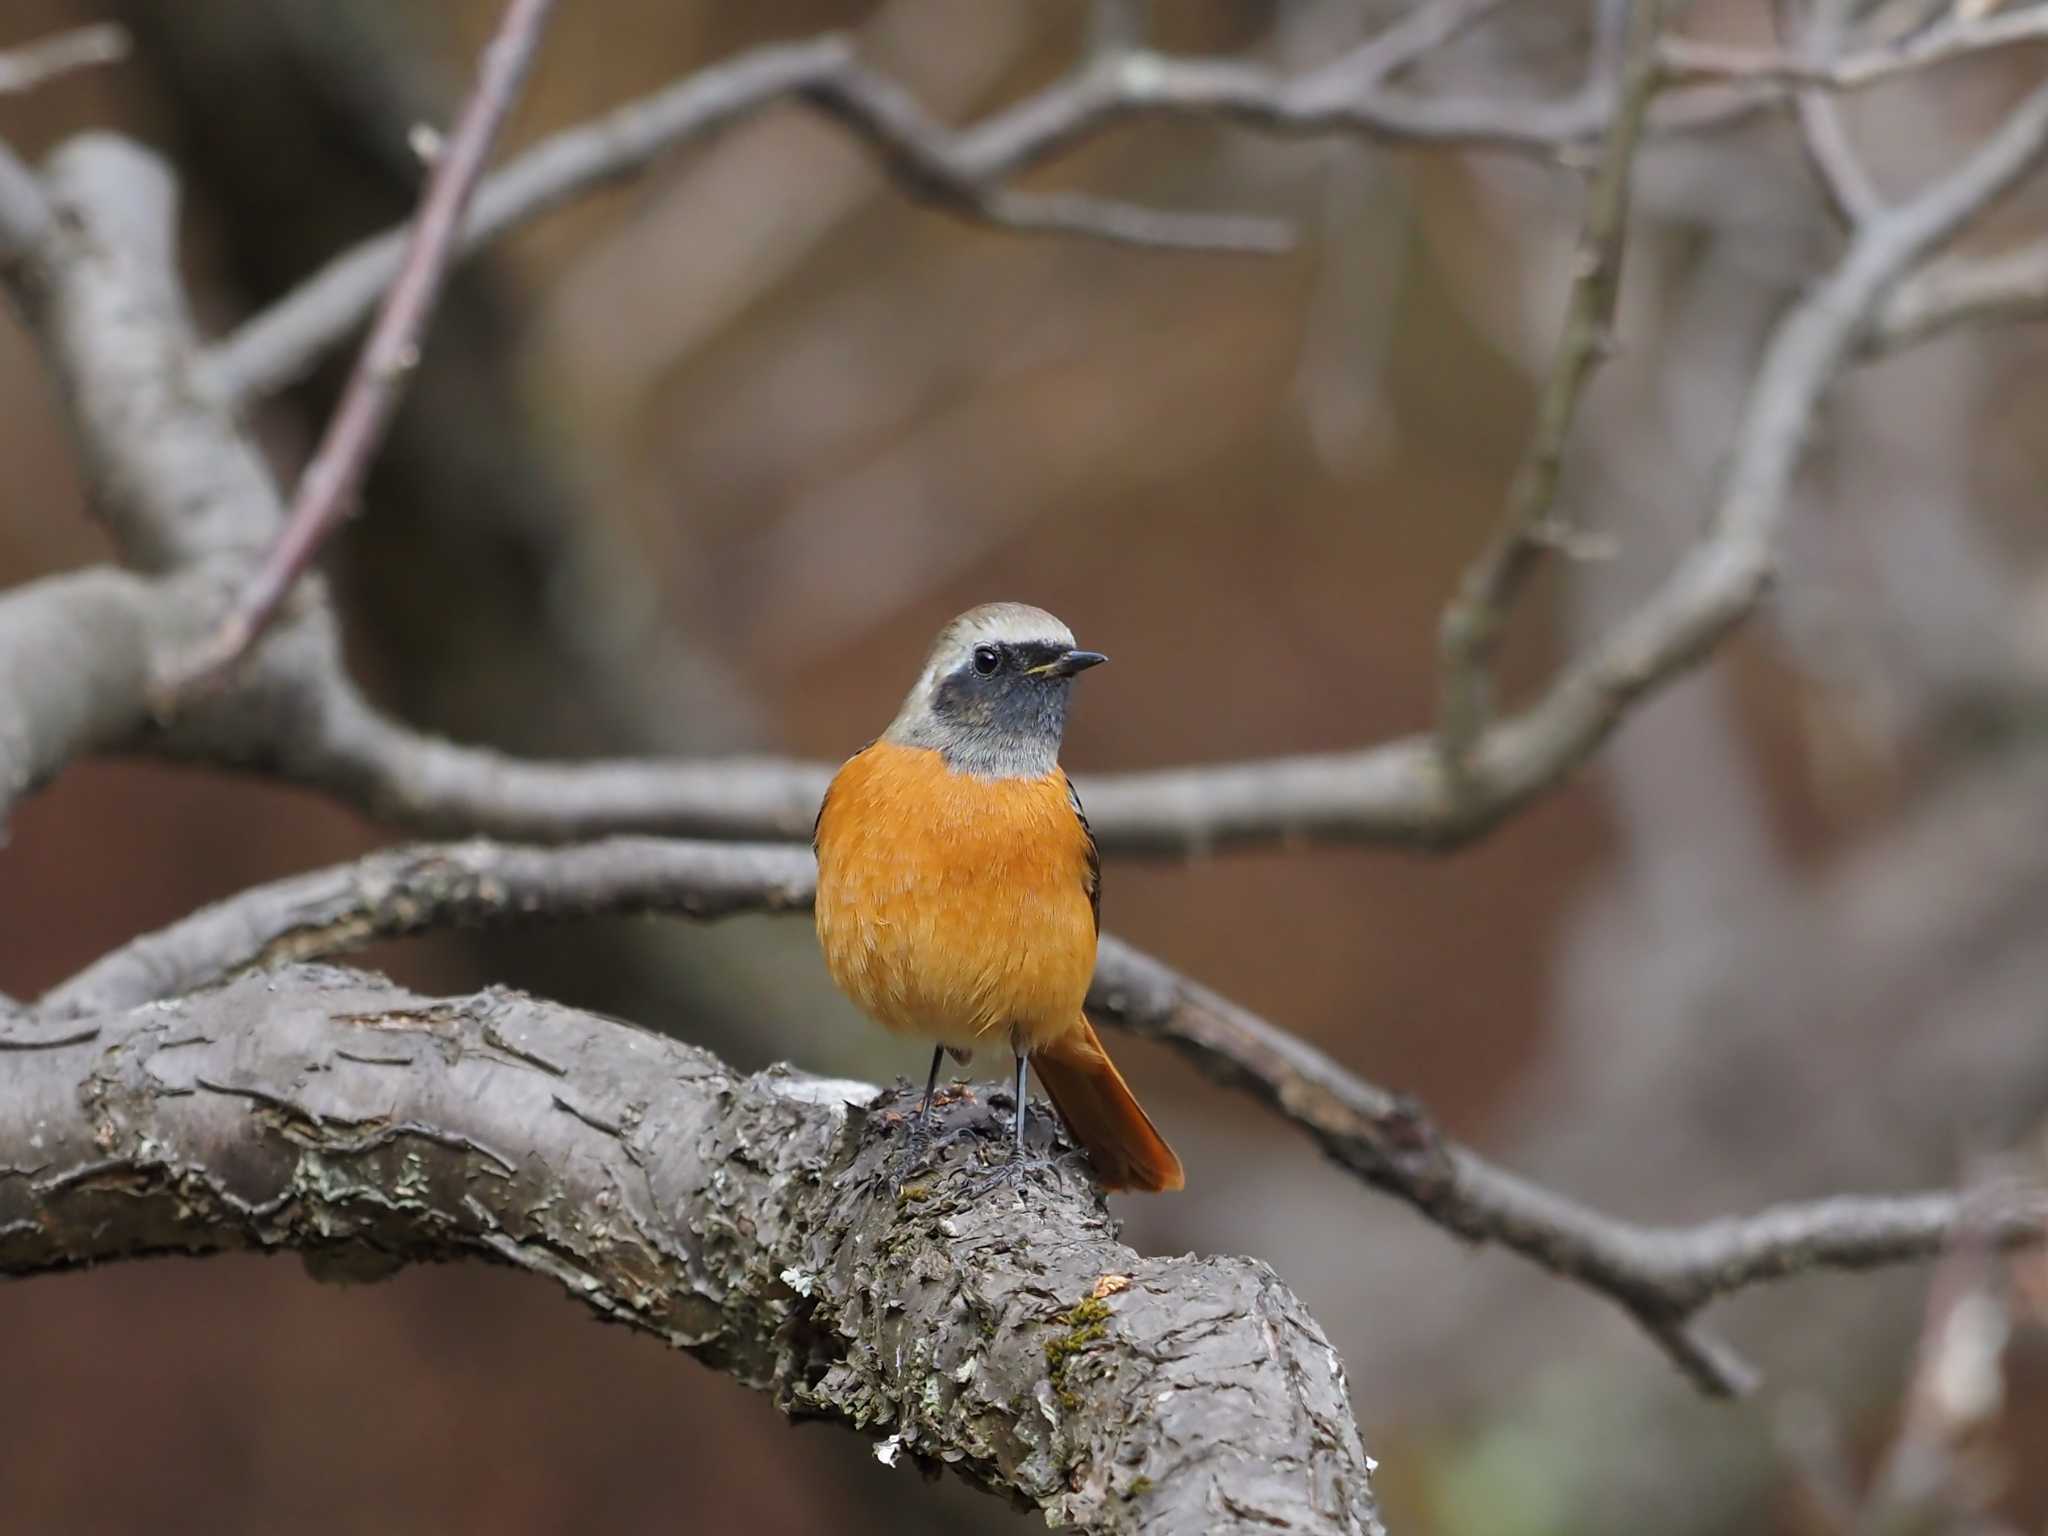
x=921 y=1126
x=918 y=1133
x=1017 y=1164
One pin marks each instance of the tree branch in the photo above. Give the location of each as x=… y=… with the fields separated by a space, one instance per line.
x=753 y=1222
x=30 y=65
x=1469 y=635
x=1963 y=291
x=1823 y=136
x=79 y=651
x=959 y=171
x=183 y=487
x=1662 y=1276
x=176 y=482
x=327 y=490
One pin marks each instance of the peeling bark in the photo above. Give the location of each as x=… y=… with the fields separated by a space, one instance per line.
x=753 y=1221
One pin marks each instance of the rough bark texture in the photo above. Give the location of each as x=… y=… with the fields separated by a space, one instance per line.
x=754 y=1222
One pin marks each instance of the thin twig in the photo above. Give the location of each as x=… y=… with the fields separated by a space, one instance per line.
x=1824 y=138
x=1957 y=37
x=1963 y=291
x=1472 y=622
x=308 y=724
x=959 y=171
x=1662 y=1276
x=30 y=65
x=327 y=491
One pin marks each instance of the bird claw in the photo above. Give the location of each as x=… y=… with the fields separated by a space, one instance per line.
x=1014 y=1169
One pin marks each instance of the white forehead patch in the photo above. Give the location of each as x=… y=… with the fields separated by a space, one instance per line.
x=1004 y=623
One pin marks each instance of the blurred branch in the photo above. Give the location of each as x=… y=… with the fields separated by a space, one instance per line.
x=1419 y=33
x=181 y=485
x=959 y=171
x=78 y=655
x=1469 y=635
x=1663 y=1276
x=1963 y=291
x=1850 y=191
x=753 y=1221
x=276 y=346
x=327 y=489
x=1958 y=36
x=28 y=66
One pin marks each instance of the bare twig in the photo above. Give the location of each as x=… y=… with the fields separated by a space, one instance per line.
x=1662 y=1276
x=327 y=490
x=1957 y=37
x=1421 y=32
x=959 y=171
x=1963 y=291
x=755 y=1222
x=1472 y=622
x=1822 y=134
x=276 y=346
x=26 y=67
x=183 y=485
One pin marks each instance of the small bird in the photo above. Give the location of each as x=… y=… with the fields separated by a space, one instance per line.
x=959 y=890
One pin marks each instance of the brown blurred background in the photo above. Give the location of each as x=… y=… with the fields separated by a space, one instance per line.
x=699 y=464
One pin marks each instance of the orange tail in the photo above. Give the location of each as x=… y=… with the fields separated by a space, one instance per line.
x=1088 y=1091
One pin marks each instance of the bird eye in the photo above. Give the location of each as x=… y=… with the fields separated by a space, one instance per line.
x=986 y=659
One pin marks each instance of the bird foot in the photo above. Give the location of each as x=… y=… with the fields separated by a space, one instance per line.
x=1014 y=1169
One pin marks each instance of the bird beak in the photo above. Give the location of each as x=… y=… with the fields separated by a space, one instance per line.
x=1072 y=662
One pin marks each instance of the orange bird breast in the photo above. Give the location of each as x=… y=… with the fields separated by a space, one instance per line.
x=956 y=908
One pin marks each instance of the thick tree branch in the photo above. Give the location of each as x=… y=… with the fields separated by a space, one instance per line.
x=175 y=481
x=327 y=489
x=1663 y=1276
x=753 y=1222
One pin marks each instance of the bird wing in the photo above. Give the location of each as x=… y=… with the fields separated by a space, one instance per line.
x=1093 y=879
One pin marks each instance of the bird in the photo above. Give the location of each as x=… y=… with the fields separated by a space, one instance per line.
x=959 y=892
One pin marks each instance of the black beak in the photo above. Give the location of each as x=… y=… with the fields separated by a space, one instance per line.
x=1076 y=661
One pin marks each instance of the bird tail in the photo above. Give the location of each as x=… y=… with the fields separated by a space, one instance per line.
x=1085 y=1087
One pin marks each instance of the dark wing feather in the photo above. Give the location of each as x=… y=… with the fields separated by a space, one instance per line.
x=1094 y=877
x=827 y=800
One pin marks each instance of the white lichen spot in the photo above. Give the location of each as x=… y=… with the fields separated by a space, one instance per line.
x=964 y=1371
x=886 y=1451
x=426 y=142
x=1047 y=1408
x=833 y=1092
x=800 y=1282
